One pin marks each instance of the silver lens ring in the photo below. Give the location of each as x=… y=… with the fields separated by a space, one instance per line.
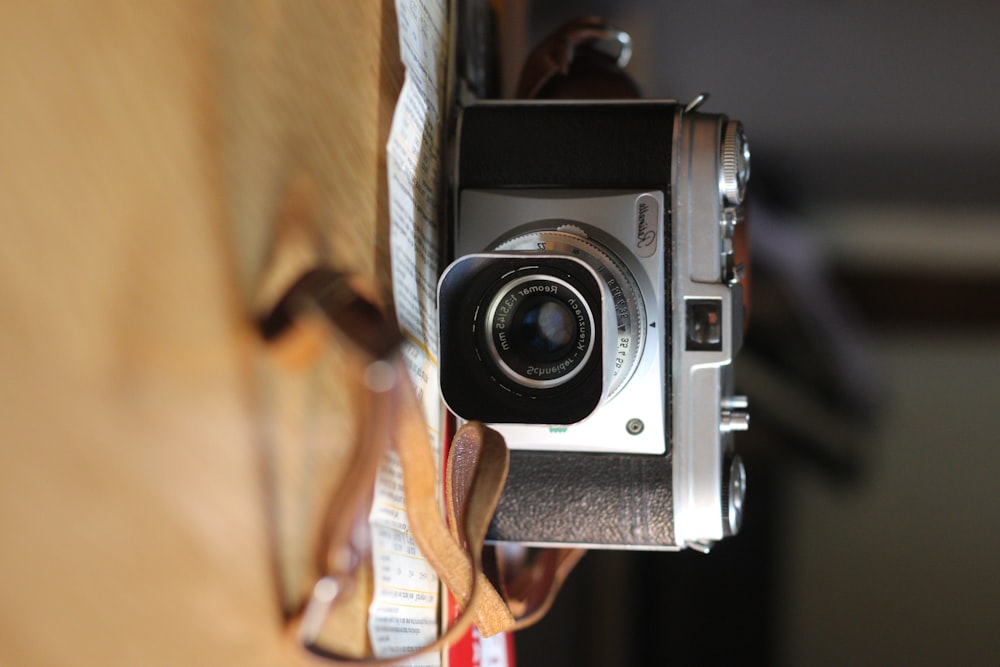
x=572 y=344
x=630 y=312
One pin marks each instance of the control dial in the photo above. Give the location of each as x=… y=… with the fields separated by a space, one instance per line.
x=735 y=163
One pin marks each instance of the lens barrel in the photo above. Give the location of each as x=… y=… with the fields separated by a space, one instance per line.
x=539 y=331
x=518 y=328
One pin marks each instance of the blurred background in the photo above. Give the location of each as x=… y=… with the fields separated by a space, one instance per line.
x=873 y=359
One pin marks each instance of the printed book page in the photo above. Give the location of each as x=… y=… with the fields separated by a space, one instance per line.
x=404 y=612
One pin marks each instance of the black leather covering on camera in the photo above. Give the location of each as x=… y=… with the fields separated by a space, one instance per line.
x=601 y=145
x=602 y=499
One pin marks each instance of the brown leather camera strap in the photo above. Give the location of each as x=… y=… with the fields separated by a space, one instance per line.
x=524 y=588
x=391 y=413
x=571 y=64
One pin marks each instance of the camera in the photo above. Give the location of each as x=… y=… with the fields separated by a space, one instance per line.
x=591 y=314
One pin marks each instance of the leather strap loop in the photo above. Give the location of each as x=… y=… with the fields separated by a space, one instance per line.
x=455 y=554
x=478 y=457
x=531 y=584
x=478 y=464
x=568 y=65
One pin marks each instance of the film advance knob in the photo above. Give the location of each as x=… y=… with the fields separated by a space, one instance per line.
x=735 y=163
x=734 y=488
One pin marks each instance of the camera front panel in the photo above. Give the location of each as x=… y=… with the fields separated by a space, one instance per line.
x=552 y=173
x=607 y=230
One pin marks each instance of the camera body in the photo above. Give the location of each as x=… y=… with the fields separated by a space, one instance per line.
x=591 y=315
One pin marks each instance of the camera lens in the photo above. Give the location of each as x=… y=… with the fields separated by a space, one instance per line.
x=539 y=331
x=625 y=296
x=516 y=328
x=546 y=326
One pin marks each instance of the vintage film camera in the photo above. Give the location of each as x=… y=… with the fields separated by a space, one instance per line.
x=591 y=315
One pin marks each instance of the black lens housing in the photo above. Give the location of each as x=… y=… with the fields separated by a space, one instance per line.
x=490 y=371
